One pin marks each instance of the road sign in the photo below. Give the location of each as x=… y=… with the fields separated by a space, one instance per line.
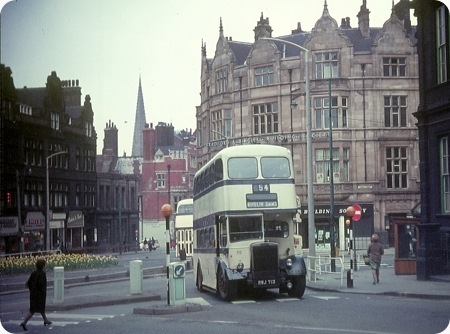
x=178 y=271
x=358 y=212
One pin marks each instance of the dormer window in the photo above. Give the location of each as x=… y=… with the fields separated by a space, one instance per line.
x=222 y=81
x=326 y=65
x=264 y=76
x=88 y=129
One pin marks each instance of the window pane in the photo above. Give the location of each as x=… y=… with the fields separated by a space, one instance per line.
x=242 y=168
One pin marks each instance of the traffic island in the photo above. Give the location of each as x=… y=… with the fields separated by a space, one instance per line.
x=167 y=309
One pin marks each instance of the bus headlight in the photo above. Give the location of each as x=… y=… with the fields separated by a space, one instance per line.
x=240 y=267
x=289 y=263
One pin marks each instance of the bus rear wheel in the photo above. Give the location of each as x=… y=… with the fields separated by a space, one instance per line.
x=298 y=287
x=227 y=289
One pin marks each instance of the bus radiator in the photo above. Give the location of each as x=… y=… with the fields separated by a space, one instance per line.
x=264 y=266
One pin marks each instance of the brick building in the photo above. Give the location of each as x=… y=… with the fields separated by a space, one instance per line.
x=168 y=168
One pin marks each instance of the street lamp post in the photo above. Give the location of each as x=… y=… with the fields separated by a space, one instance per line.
x=309 y=171
x=167 y=211
x=47 y=225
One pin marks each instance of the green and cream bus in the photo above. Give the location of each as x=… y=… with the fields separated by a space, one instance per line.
x=244 y=209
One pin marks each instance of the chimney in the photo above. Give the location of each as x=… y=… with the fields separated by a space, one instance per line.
x=110 y=141
x=363 y=20
x=149 y=138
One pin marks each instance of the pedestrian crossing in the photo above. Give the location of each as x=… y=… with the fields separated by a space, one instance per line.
x=58 y=319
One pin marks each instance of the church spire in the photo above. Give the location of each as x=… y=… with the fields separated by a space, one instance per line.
x=139 y=124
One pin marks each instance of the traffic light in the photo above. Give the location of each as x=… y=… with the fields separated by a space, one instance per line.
x=8 y=198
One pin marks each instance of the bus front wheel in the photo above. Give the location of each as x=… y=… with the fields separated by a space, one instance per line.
x=298 y=287
x=227 y=289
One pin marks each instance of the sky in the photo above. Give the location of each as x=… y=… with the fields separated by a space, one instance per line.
x=108 y=44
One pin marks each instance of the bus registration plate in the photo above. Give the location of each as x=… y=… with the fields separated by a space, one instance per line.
x=266 y=282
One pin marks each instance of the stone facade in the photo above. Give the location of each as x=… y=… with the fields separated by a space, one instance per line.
x=254 y=92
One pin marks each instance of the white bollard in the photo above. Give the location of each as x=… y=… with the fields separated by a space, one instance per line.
x=58 y=285
x=136 y=277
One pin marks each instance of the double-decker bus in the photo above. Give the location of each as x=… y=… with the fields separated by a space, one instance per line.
x=244 y=205
x=183 y=227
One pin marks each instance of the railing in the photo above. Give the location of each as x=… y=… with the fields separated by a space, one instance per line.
x=322 y=265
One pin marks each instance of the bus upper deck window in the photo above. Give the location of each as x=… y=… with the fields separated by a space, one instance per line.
x=242 y=168
x=275 y=167
x=218 y=169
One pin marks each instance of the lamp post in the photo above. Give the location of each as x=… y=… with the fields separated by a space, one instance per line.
x=166 y=210
x=47 y=225
x=309 y=169
x=350 y=212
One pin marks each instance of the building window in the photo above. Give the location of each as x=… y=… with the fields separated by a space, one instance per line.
x=222 y=81
x=27 y=110
x=326 y=65
x=264 y=76
x=395 y=111
x=89 y=160
x=59 y=195
x=444 y=155
x=397 y=167
x=89 y=195
x=265 y=118
x=216 y=125
x=340 y=165
x=89 y=129
x=394 y=67
x=228 y=123
x=54 y=118
x=442 y=40
x=338 y=112
x=161 y=180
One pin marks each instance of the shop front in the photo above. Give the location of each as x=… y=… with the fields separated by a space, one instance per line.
x=363 y=228
x=74 y=233
x=9 y=231
x=34 y=230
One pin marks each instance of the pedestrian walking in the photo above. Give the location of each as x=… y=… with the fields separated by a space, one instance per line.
x=37 y=284
x=375 y=251
x=145 y=244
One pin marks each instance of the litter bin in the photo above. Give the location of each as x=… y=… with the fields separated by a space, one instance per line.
x=58 y=285
x=136 y=277
x=177 y=288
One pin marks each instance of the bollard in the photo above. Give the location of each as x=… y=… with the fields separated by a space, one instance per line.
x=58 y=285
x=177 y=285
x=349 y=279
x=136 y=277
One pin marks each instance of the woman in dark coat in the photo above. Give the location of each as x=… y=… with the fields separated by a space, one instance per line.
x=37 y=284
x=375 y=251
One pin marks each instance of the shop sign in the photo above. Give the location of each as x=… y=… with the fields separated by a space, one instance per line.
x=35 y=221
x=9 y=226
x=55 y=224
x=76 y=219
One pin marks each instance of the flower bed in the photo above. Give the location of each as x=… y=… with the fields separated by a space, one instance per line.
x=26 y=264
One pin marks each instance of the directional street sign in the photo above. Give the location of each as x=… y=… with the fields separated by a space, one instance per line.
x=178 y=271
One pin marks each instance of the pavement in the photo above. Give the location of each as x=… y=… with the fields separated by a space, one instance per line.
x=437 y=287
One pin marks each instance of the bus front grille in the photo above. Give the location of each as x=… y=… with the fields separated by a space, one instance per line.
x=264 y=265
